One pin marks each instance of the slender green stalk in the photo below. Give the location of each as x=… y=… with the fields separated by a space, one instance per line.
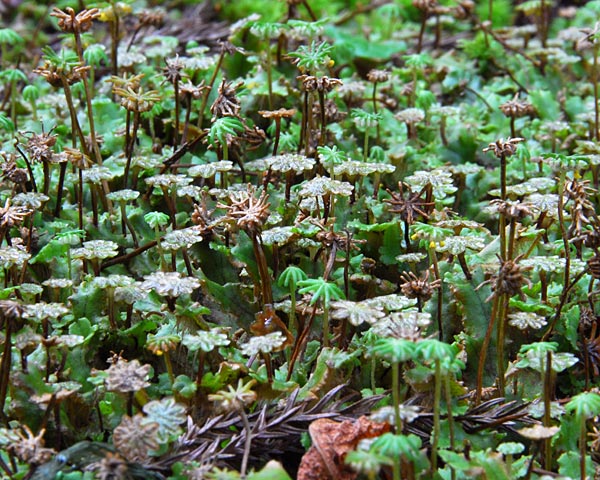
x=372 y=374
x=303 y=125
x=269 y=366
x=270 y=74
x=177 y=113
x=566 y=246
x=110 y=294
x=484 y=349
x=582 y=448
x=396 y=396
x=323 y=119
x=88 y=100
x=396 y=468
x=450 y=416
x=59 y=189
x=309 y=125
x=125 y=223
x=80 y=198
x=225 y=148
x=186 y=122
x=502 y=221
x=129 y=147
x=292 y=320
x=5 y=365
x=437 y=397
x=436 y=272
x=161 y=252
x=375 y=111
x=420 y=40
x=169 y=366
x=13 y=103
x=28 y=165
x=596 y=99
x=211 y=84
x=114 y=45
x=501 y=333
x=326 y=326
x=263 y=270
x=74 y=122
x=547 y=382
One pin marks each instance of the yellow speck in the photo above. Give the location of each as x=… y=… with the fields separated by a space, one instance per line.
x=124 y=8
x=106 y=15
x=414 y=236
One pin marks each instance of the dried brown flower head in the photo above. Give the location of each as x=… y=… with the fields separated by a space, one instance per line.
x=588 y=38
x=253 y=137
x=331 y=110
x=11 y=172
x=78 y=158
x=173 y=70
x=202 y=217
x=151 y=18
x=190 y=90
x=71 y=23
x=135 y=437
x=12 y=215
x=516 y=211
x=594 y=266
x=515 y=108
x=227 y=104
x=340 y=241
x=137 y=100
x=126 y=81
x=110 y=467
x=426 y=6
x=407 y=89
x=310 y=83
x=248 y=212
x=510 y=279
x=591 y=238
x=504 y=148
x=39 y=146
x=278 y=114
x=30 y=448
x=55 y=75
x=124 y=376
x=591 y=340
x=587 y=319
x=464 y=9
x=411 y=207
x=594 y=436
x=378 y=76
x=582 y=209
x=418 y=287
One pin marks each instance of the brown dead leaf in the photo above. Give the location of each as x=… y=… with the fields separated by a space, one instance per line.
x=331 y=442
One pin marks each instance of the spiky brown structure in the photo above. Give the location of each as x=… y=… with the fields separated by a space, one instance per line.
x=409 y=207
x=418 y=287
